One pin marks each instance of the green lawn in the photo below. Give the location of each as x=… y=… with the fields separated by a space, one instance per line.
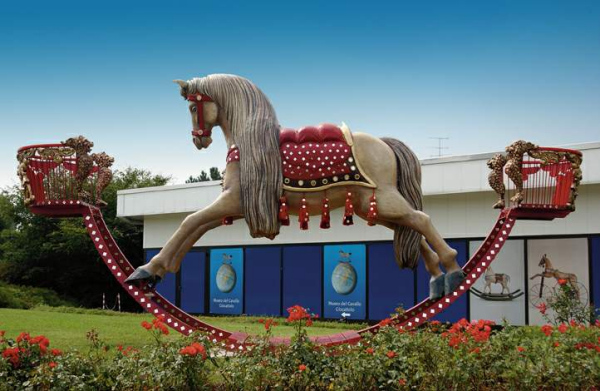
x=67 y=330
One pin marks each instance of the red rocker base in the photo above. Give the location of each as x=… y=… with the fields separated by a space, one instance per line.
x=54 y=185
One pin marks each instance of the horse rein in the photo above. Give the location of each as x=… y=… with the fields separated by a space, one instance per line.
x=199 y=100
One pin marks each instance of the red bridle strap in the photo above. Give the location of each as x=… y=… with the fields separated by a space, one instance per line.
x=199 y=100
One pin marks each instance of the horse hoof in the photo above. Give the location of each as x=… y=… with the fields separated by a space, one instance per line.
x=436 y=287
x=453 y=280
x=143 y=276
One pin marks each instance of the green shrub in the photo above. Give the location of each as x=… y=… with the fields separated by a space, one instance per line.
x=25 y=297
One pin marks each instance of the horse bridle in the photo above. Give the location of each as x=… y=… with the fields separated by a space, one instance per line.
x=199 y=101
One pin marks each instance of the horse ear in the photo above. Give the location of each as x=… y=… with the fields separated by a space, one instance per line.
x=182 y=83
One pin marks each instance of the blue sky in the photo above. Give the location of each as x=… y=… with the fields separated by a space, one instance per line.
x=481 y=73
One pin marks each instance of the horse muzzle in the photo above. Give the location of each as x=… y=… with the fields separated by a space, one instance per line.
x=201 y=141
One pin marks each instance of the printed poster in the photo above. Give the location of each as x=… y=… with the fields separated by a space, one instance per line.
x=227 y=281
x=344 y=281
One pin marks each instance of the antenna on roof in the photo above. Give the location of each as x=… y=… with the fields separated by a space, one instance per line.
x=440 y=147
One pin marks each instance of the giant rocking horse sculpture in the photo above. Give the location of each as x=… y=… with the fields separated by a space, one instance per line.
x=271 y=171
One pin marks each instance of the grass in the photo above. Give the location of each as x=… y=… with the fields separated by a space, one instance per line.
x=66 y=327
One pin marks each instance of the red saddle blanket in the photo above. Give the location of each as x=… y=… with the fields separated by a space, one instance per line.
x=315 y=157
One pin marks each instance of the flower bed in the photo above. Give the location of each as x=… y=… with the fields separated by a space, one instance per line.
x=465 y=355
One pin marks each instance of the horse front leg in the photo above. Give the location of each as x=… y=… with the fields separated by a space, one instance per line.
x=191 y=229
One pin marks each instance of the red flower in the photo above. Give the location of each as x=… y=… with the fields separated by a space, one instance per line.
x=12 y=354
x=188 y=351
x=475 y=350
x=52 y=364
x=573 y=323
x=562 y=328
x=562 y=281
x=146 y=325
x=125 y=352
x=159 y=324
x=390 y=354
x=2 y=335
x=385 y=322
x=520 y=348
x=556 y=344
x=193 y=350
x=23 y=337
x=402 y=382
x=268 y=323
x=542 y=308
x=298 y=313
x=547 y=329
x=40 y=340
x=163 y=329
x=434 y=323
x=369 y=350
x=302 y=367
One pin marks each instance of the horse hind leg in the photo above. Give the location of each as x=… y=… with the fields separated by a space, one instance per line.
x=394 y=208
x=430 y=258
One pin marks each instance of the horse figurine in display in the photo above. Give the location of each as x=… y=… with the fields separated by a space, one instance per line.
x=274 y=172
x=503 y=279
x=551 y=272
x=496 y=278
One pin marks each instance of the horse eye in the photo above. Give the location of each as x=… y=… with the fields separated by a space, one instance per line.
x=194 y=109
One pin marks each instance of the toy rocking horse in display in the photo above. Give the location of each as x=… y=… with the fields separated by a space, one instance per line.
x=273 y=172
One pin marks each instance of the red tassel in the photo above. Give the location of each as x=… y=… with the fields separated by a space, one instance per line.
x=303 y=214
x=227 y=220
x=325 y=213
x=349 y=211
x=284 y=216
x=372 y=215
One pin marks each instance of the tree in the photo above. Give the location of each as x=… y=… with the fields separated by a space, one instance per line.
x=57 y=254
x=215 y=175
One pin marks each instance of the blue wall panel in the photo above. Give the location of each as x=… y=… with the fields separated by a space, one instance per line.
x=167 y=286
x=458 y=309
x=595 y=272
x=263 y=281
x=193 y=282
x=302 y=277
x=389 y=286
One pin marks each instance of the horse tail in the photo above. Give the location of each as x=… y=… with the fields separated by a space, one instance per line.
x=407 y=240
x=507 y=278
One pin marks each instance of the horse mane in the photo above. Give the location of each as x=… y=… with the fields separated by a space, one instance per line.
x=255 y=131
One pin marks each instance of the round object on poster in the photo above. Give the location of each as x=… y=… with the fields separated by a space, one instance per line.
x=226 y=278
x=343 y=278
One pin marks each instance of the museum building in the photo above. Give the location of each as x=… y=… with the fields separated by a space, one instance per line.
x=350 y=271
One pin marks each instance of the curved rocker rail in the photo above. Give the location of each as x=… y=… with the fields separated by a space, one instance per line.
x=497 y=296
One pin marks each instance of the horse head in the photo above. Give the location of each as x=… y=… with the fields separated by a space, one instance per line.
x=489 y=271
x=543 y=261
x=204 y=114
